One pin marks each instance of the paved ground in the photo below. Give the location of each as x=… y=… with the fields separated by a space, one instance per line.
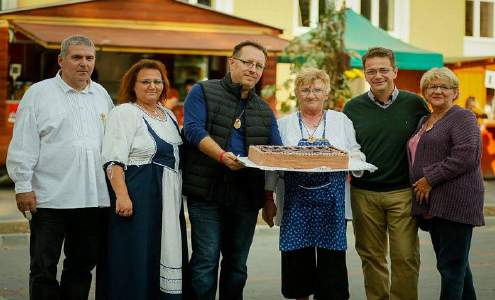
x=264 y=266
x=264 y=262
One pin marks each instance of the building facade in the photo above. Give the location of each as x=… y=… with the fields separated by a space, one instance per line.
x=191 y=39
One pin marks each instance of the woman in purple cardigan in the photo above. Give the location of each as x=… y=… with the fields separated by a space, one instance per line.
x=444 y=157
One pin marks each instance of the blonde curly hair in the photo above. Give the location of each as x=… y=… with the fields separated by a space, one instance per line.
x=310 y=75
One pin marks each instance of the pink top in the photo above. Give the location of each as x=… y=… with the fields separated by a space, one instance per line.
x=413 y=144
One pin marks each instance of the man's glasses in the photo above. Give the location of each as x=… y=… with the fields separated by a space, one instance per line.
x=373 y=72
x=249 y=64
x=148 y=82
x=434 y=88
x=315 y=91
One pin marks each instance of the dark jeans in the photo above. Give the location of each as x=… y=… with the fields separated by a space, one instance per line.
x=219 y=229
x=451 y=242
x=80 y=231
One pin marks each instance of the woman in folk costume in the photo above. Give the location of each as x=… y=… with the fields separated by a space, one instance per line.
x=147 y=248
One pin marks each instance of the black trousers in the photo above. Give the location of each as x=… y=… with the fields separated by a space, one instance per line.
x=452 y=242
x=315 y=271
x=82 y=232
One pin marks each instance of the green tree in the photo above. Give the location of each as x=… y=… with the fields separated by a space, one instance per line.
x=323 y=48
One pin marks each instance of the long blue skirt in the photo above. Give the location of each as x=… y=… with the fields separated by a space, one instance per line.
x=132 y=265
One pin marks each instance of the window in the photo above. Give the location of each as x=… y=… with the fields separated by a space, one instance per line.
x=205 y=2
x=322 y=7
x=380 y=13
x=8 y=4
x=304 y=13
x=366 y=9
x=479 y=18
x=200 y=2
x=469 y=18
x=386 y=12
x=479 y=37
x=486 y=19
x=309 y=13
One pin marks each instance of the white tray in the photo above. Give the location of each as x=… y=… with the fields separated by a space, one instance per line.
x=354 y=165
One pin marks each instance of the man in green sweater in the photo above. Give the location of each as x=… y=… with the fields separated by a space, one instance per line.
x=384 y=119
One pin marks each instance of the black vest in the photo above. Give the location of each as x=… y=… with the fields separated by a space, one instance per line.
x=205 y=179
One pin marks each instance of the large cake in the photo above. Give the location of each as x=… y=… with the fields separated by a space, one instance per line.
x=298 y=157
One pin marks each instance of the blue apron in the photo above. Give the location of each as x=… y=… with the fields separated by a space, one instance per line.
x=314 y=209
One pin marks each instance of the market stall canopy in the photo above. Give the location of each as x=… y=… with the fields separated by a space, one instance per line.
x=361 y=34
x=147 y=40
x=146 y=26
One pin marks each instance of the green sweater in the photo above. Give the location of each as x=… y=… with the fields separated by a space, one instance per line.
x=383 y=135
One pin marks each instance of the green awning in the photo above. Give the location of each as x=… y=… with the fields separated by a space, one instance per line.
x=360 y=35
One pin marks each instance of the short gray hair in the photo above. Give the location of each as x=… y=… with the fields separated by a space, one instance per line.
x=439 y=73
x=238 y=48
x=75 y=40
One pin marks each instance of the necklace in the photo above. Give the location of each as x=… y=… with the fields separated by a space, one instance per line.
x=156 y=114
x=237 y=123
x=311 y=136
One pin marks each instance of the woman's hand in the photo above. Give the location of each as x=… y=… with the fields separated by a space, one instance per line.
x=123 y=206
x=422 y=190
x=123 y=203
x=269 y=211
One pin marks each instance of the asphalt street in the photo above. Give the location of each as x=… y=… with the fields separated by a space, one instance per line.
x=264 y=261
x=264 y=266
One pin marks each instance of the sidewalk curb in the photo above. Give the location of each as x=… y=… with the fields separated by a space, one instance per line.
x=20 y=227
x=16 y=226
x=489 y=211
x=13 y=239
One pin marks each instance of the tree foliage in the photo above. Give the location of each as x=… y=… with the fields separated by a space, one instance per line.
x=323 y=48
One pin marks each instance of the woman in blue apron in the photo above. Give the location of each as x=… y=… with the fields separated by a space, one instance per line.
x=312 y=228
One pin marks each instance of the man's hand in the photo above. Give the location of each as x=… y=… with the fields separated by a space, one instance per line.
x=269 y=211
x=26 y=202
x=422 y=190
x=123 y=206
x=230 y=160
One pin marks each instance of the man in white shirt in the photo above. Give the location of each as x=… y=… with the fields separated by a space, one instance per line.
x=54 y=160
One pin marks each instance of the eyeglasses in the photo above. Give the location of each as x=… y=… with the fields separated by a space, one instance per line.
x=315 y=91
x=373 y=72
x=249 y=64
x=148 y=82
x=434 y=88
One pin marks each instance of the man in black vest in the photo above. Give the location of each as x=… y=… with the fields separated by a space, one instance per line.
x=222 y=118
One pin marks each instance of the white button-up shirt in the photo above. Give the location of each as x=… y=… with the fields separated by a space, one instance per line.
x=56 y=147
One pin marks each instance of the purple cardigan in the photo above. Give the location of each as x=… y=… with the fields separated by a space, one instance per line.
x=449 y=157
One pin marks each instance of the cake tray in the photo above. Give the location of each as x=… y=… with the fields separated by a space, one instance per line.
x=354 y=165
